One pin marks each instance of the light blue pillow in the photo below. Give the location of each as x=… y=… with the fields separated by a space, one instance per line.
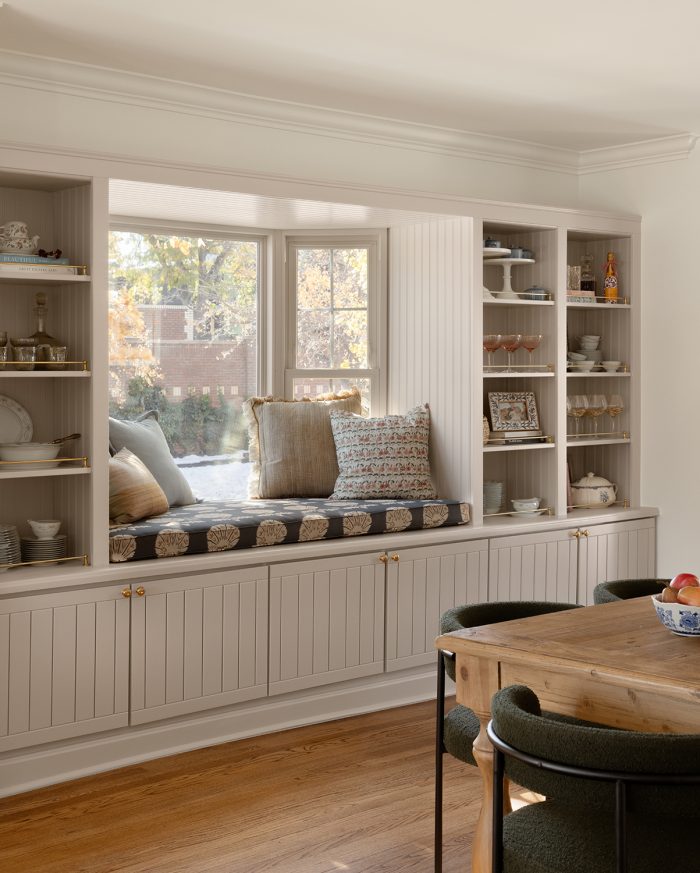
x=146 y=440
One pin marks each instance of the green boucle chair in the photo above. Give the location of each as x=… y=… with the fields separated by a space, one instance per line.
x=617 y=800
x=623 y=589
x=456 y=731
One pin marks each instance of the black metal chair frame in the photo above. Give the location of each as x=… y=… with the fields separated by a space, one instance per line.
x=621 y=780
x=439 y=752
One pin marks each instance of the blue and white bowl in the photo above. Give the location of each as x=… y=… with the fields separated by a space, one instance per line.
x=678 y=617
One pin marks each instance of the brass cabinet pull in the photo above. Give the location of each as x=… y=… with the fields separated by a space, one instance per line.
x=384 y=558
x=395 y=557
x=126 y=592
x=140 y=591
x=576 y=533
x=584 y=533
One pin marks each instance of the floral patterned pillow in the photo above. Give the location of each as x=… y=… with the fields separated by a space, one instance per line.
x=381 y=458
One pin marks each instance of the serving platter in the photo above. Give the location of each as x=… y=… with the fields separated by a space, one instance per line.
x=15 y=423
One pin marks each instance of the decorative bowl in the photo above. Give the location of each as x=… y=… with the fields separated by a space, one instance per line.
x=678 y=617
x=584 y=366
x=610 y=366
x=526 y=504
x=19 y=453
x=45 y=529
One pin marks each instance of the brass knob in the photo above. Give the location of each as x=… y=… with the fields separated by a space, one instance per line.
x=395 y=557
x=126 y=592
x=584 y=533
x=140 y=591
x=576 y=533
x=384 y=558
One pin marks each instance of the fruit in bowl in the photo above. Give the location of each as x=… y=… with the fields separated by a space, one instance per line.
x=678 y=605
x=684 y=580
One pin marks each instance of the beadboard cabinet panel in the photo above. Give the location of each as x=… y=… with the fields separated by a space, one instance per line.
x=326 y=621
x=198 y=642
x=625 y=550
x=421 y=585
x=540 y=566
x=63 y=665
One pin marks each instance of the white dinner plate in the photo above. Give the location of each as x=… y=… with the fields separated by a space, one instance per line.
x=15 y=424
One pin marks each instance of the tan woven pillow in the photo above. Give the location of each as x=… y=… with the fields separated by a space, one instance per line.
x=292 y=451
x=133 y=491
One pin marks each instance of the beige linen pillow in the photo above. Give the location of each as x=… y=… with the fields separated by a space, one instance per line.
x=291 y=444
x=134 y=492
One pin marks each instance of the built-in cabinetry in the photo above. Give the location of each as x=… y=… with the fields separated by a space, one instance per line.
x=544 y=468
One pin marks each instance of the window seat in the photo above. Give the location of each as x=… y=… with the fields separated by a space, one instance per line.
x=218 y=526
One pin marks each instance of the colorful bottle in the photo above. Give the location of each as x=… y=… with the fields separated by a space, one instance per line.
x=610 y=284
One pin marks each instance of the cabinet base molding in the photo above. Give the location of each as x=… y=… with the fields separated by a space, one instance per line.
x=73 y=759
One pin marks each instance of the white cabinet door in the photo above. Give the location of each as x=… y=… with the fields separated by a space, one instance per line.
x=326 y=621
x=421 y=585
x=623 y=550
x=64 y=665
x=540 y=566
x=198 y=642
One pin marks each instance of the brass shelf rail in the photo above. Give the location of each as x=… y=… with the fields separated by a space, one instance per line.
x=84 y=558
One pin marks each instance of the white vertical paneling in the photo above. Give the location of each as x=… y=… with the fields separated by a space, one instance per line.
x=231 y=619
x=337 y=607
x=262 y=637
x=105 y=655
x=175 y=646
x=43 y=645
x=624 y=550
x=421 y=586
x=4 y=673
x=429 y=359
x=85 y=662
x=193 y=643
x=246 y=633
x=155 y=649
x=542 y=566
x=20 y=659
x=138 y=654
x=212 y=642
x=64 y=638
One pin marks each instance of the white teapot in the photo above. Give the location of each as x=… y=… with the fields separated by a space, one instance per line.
x=592 y=490
x=15 y=239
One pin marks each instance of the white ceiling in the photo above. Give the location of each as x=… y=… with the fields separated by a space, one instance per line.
x=581 y=76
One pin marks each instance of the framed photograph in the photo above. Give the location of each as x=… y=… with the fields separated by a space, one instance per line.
x=513 y=410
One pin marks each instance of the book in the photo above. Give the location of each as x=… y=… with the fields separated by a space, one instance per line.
x=15 y=267
x=11 y=257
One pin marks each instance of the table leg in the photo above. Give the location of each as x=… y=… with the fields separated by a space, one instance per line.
x=481 y=847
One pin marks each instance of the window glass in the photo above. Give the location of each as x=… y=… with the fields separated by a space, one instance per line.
x=183 y=326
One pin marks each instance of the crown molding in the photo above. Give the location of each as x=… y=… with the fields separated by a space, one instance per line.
x=117 y=86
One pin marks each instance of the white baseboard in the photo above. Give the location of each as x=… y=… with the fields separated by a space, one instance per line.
x=84 y=756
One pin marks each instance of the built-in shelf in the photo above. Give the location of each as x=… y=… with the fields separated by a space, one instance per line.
x=44 y=374
x=23 y=277
x=592 y=441
x=44 y=474
x=510 y=302
x=599 y=306
x=597 y=375
x=519 y=447
x=525 y=374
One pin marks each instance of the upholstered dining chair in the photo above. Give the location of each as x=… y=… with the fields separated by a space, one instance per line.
x=456 y=731
x=618 y=801
x=623 y=589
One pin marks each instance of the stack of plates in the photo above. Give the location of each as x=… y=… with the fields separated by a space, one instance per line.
x=34 y=549
x=494 y=493
x=9 y=545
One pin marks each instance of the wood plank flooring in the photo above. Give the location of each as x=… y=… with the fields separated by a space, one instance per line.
x=354 y=795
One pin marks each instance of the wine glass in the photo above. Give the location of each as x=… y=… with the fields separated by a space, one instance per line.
x=492 y=343
x=576 y=406
x=511 y=343
x=616 y=407
x=597 y=405
x=530 y=342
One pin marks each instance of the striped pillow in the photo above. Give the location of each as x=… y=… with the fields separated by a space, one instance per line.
x=382 y=458
x=134 y=493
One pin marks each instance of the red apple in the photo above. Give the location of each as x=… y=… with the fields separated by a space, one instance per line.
x=690 y=595
x=684 y=580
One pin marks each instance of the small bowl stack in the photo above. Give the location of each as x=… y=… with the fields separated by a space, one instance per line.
x=9 y=546
x=47 y=549
x=493 y=497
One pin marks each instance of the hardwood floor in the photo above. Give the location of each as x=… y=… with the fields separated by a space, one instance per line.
x=354 y=795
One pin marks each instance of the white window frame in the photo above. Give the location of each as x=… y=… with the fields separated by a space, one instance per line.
x=211 y=231
x=375 y=241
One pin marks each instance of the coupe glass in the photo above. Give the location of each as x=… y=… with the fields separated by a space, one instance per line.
x=511 y=343
x=530 y=342
x=576 y=405
x=615 y=407
x=597 y=405
x=492 y=343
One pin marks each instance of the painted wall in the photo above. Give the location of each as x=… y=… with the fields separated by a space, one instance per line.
x=666 y=195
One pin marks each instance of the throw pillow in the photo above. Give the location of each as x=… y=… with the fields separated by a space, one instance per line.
x=291 y=444
x=384 y=457
x=147 y=441
x=133 y=491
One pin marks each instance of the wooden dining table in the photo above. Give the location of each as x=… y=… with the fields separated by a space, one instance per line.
x=615 y=664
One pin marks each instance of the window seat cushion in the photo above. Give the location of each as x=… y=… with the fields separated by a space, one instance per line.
x=219 y=526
